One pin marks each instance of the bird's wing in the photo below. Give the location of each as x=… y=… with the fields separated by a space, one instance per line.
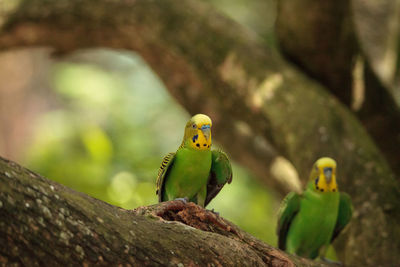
x=220 y=174
x=162 y=173
x=289 y=207
x=344 y=214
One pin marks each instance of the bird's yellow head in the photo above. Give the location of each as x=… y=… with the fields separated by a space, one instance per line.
x=323 y=175
x=198 y=132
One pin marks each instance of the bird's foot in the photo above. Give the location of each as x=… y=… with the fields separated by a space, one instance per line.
x=338 y=263
x=183 y=199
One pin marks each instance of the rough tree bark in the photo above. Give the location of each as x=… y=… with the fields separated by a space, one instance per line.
x=213 y=65
x=43 y=223
x=319 y=36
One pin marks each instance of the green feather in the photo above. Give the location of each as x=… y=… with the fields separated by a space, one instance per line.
x=186 y=176
x=312 y=227
x=309 y=222
x=289 y=208
x=344 y=214
x=162 y=173
x=194 y=171
x=220 y=174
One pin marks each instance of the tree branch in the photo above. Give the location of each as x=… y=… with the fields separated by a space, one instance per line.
x=44 y=223
x=325 y=37
x=319 y=36
x=215 y=66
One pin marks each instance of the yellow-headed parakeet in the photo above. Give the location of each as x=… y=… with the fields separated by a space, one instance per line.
x=310 y=221
x=194 y=171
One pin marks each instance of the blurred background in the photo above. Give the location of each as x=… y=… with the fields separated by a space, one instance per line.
x=100 y=122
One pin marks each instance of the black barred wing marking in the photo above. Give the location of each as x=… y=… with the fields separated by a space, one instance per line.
x=166 y=162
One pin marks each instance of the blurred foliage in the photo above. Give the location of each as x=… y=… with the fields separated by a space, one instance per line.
x=112 y=128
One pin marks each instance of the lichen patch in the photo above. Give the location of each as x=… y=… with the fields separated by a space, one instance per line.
x=10 y=200
x=46 y=212
x=65 y=237
x=81 y=252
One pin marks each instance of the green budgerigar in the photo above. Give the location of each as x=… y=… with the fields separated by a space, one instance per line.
x=310 y=221
x=194 y=171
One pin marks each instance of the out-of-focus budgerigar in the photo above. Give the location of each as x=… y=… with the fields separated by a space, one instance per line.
x=310 y=221
x=194 y=171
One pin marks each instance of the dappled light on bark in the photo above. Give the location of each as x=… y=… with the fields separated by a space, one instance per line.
x=226 y=71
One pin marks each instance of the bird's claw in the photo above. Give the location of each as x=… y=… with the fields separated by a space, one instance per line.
x=183 y=199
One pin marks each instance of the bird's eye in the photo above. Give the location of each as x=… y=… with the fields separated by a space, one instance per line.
x=194 y=126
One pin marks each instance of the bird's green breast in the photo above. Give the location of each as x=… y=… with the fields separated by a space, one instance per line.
x=313 y=225
x=189 y=173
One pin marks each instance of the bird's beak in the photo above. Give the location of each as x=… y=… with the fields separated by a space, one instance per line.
x=328 y=174
x=206 y=130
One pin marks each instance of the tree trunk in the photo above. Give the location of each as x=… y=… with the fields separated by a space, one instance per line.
x=212 y=65
x=46 y=224
x=326 y=38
